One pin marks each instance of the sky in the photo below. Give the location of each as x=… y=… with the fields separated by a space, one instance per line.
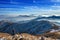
x=37 y=7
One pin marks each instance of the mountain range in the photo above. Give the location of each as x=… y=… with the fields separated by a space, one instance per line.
x=32 y=27
x=25 y=17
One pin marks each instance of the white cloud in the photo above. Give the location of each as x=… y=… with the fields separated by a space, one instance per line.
x=55 y=6
x=35 y=10
x=55 y=0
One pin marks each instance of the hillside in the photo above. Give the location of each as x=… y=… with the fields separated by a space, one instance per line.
x=32 y=27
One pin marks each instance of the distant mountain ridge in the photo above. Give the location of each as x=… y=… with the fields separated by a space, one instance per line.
x=8 y=16
x=52 y=17
x=25 y=17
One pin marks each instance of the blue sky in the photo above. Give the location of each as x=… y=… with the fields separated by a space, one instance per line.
x=38 y=7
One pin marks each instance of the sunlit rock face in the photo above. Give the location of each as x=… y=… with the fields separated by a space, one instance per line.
x=53 y=35
x=26 y=36
x=5 y=36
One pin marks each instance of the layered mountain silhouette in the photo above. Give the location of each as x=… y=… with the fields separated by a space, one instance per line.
x=54 y=17
x=32 y=27
x=27 y=17
x=50 y=17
